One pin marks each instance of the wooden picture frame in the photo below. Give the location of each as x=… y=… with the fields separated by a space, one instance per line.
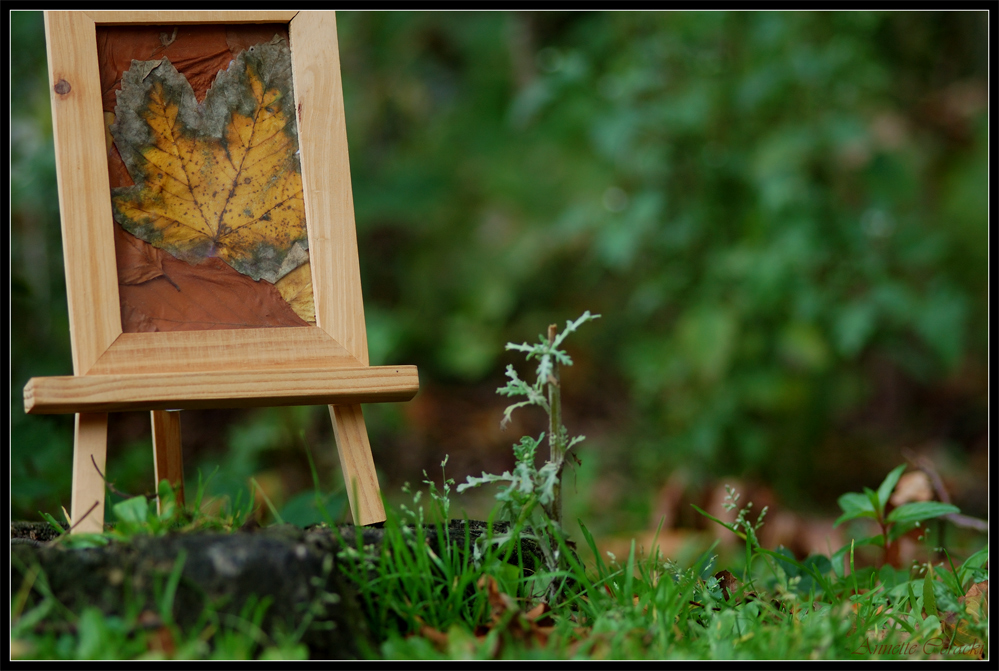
x=326 y=364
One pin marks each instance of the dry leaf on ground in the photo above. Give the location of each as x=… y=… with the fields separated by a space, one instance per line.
x=533 y=627
x=912 y=486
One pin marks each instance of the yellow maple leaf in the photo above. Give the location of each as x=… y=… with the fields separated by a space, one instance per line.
x=296 y=290
x=220 y=178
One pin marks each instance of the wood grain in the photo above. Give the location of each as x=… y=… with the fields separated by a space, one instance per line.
x=84 y=200
x=329 y=203
x=357 y=465
x=168 y=456
x=237 y=349
x=166 y=17
x=219 y=389
x=89 y=455
x=326 y=365
x=329 y=207
x=88 y=223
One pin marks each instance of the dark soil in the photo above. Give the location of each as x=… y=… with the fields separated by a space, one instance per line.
x=295 y=569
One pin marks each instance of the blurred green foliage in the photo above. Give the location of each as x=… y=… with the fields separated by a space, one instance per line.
x=770 y=210
x=761 y=204
x=39 y=318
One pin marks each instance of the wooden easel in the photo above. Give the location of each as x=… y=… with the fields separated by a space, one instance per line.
x=170 y=371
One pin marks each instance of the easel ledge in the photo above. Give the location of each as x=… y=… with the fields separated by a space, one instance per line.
x=219 y=389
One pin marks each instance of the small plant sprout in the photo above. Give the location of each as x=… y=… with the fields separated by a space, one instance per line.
x=740 y=526
x=893 y=525
x=528 y=487
x=442 y=497
x=549 y=357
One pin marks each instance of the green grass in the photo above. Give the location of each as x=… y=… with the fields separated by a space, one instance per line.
x=457 y=600
x=650 y=608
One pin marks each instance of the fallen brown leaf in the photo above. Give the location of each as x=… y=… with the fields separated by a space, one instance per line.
x=540 y=615
x=976 y=600
x=728 y=583
x=438 y=638
x=160 y=638
x=911 y=487
x=501 y=603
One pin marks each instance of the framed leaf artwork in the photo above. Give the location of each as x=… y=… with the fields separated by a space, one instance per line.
x=206 y=186
x=208 y=230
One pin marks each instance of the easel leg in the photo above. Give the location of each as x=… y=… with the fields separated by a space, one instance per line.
x=357 y=465
x=167 y=454
x=90 y=447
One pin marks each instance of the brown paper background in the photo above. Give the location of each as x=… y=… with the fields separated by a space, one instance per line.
x=159 y=292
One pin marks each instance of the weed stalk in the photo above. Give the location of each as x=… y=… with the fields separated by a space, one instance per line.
x=556 y=433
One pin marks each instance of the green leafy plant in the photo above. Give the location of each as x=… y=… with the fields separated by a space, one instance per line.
x=142 y=515
x=157 y=516
x=895 y=524
x=530 y=496
x=890 y=612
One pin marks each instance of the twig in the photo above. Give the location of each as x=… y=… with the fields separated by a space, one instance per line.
x=926 y=466
x=957 y=519
x=967 y=522
x=83 y=517
x=110 y=485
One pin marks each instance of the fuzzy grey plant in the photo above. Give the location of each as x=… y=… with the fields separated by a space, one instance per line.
x=531 y=498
